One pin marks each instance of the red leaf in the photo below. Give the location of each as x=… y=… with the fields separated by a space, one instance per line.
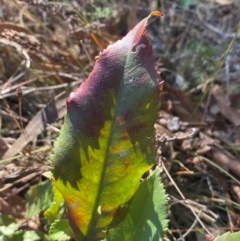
x=107 y=141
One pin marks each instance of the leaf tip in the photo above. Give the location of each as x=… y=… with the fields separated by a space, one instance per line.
x=156 y=13
x=160 y=85
x=49 y=175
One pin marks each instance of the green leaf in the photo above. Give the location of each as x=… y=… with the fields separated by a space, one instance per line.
x=33 y=236
x=52 y=213
x=5 y=220
x=8 y=226
x=9 y=230
x=47 y=174
x=146 y=220
x=107 y=140
x=39 y=198
x=16 y=236
x=60 y=230
x=228 y=237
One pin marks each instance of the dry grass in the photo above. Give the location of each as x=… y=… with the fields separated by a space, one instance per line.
x=47 y=48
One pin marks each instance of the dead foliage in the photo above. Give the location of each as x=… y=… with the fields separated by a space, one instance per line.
x=47 y=50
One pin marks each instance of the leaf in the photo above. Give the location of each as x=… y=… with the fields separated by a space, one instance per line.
x=25 y=236
x=52 y=213
x=8 y=226
x=9 y=230
x=8 y=25
x=38 y=198
x=107 y=140
x=228 y=237
x=16 y=236
x=60 y=230
x=33 y=236
x=5 y=220
x=146 y=220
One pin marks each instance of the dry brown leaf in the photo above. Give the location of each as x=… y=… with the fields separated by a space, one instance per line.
x=227 y=111
x=236 y=190
x=12 y=26
x=225 y=160
x=184 y=108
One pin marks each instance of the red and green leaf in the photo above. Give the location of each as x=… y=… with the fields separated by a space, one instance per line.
x=107 y=140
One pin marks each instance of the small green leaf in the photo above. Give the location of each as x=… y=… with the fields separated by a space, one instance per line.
x=52 y=213
x=60 y=230
x=34 y=236
x=228 y=237
x=146 y=220
x=17 y=236
x=48 y=174
x=5 y=220
x=39 y=198
x=9 y=230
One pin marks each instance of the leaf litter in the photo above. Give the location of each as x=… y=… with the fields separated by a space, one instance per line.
x=205 y=166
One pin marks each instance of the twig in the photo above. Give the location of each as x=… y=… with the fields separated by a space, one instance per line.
x=179 y=231
x=11 y=159
x=27 y=90
x=20 y=49
x=215 y=29
x=166 y=138
x=86 y=52
x=190 y=229
x=227 y=79
x=230 y=46
x=182 y=196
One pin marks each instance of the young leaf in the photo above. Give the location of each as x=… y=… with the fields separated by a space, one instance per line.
x=5 y=220
x=146 y=220
x=8 y=231
x=34 y=236
x=60 y=230
x=228 y=237
x=107 y=140
x=38 y=198
x=52 y=213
